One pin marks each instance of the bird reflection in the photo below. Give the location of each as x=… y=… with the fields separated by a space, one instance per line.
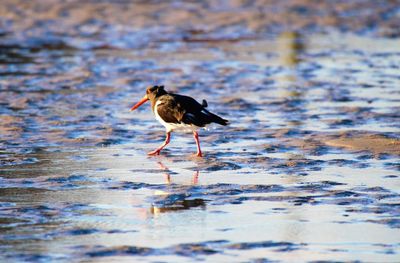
x=178 y=206
x=177 y=197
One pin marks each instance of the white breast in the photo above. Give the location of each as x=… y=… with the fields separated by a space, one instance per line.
x=182 y=127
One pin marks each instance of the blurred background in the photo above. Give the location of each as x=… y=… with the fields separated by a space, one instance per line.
x=69 y=62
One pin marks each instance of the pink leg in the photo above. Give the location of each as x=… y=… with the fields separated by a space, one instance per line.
x=157 y=151
x=196 y=138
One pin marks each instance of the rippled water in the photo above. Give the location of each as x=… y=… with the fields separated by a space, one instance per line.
x=307 y=170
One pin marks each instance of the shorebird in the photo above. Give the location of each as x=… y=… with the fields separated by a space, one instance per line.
x=178 y=113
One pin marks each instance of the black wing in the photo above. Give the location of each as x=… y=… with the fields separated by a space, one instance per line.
x=174 y=108
x=196 y=113
x=169 y=109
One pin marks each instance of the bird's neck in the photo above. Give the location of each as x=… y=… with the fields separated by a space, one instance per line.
x=153 y=103
x=155 y=99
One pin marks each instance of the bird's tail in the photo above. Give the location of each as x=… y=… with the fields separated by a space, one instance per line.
x=215 y=118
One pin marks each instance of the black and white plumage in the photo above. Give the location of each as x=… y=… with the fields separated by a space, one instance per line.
x=178 y=113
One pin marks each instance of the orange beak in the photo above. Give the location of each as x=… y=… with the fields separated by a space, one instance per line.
x=137 y=105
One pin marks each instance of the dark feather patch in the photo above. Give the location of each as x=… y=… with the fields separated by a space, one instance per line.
x=168 y=111
x=176 y=108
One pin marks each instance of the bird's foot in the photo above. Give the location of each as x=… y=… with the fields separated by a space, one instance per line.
x=199 y=154
x=153 y=153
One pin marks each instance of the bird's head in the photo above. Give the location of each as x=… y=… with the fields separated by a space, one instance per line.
x=152 y=93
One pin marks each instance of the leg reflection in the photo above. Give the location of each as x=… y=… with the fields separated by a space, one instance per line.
x=167 y=175
x=175 y=197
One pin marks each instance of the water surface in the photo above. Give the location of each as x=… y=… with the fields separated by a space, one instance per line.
x=307 y=170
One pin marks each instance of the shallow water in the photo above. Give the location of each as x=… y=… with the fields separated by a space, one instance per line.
x=282 y=182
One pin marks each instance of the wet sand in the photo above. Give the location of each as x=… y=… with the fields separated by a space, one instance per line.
x=307 y=170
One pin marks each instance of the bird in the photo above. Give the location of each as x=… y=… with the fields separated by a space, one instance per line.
x=178 y=113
